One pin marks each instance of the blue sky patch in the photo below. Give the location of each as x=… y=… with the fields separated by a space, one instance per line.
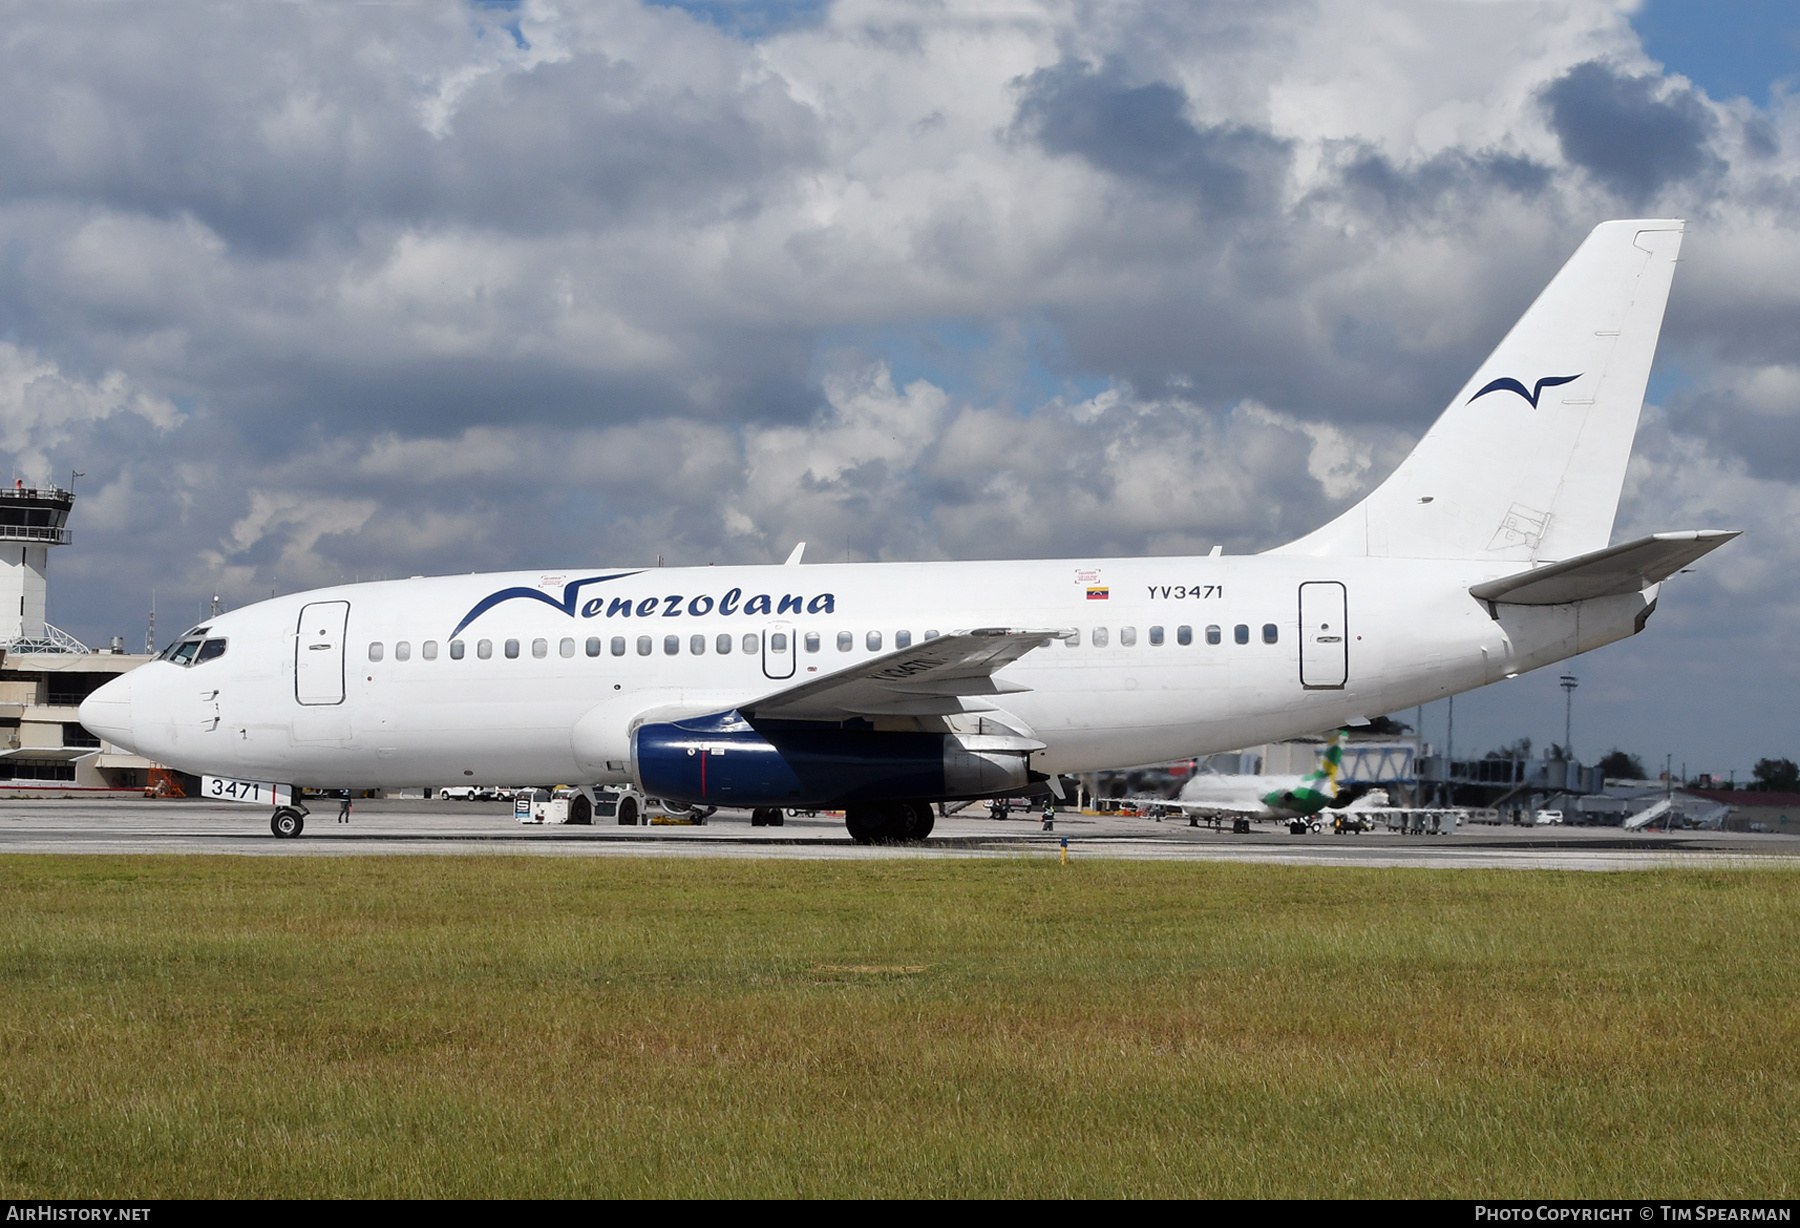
x=982 y=362
x=1729 y=48
x=752 y=19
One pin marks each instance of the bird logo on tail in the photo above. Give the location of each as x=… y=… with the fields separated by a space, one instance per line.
x=1507 y=383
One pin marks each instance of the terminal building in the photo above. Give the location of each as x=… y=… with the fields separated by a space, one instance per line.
x=45 y=673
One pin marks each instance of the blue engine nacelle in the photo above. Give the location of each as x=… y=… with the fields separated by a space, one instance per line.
x=722 y=760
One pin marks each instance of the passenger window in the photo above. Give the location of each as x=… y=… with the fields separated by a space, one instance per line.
x=778 y=642
x=1127 y=637
x=484 y=649
x=1100 y=637
x=402 y=651
x=812 y=641
x=931 y=635
x=512 y=650
x=1212 y=634
x=722 y=645
x=618 y=645
x=1156 y=635
x=1241 y=633
x=540 y=649
x=1074 y=641
x=697 y=645
x=1184 y=636
x=846 y=641
x=645 y=645
x=671 y=645
x=1271 y=633
x=593 y=646
x=428 y=650
x=209 y=650
x=456 y=650
x=374 y=651
x=752 y=642
x=902 y=639
x=873 y=640
x=566 y=647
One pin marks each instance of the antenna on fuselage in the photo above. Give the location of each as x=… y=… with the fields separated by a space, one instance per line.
x=793 y=560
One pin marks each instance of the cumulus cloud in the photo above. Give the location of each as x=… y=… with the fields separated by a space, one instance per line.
x=1143 y=132
x=1635 y=133
x=42 y=409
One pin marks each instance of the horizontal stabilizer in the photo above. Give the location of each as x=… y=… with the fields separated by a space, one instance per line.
x=932 y=678
x=1628 y=568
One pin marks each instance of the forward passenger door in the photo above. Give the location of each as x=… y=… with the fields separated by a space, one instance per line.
x=319 y=652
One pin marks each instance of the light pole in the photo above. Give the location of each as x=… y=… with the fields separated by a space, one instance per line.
x=1569 y=683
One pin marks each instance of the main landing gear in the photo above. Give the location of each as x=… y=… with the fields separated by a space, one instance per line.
x=287 y=822
x=889 y=822
x=768 y=816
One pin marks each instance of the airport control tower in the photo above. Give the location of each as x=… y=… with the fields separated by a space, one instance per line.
x=32 y=519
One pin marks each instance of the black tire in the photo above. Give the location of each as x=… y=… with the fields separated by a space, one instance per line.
x=866 y=824
x=287 y=823
x=581 y=811
x=890 y=822
x=777 y=817
x=628 y=812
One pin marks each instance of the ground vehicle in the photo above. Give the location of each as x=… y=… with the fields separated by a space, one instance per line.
x=1548 y=818
x=629 y=807
x=562 y=805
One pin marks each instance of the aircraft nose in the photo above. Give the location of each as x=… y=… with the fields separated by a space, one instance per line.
x=107 y=712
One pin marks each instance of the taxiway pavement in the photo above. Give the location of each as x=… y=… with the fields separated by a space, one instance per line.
x=131 y=826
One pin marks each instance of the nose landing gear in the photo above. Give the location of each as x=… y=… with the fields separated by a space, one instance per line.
x=287 y=822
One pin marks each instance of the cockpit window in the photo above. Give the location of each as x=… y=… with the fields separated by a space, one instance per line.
x=191 y=650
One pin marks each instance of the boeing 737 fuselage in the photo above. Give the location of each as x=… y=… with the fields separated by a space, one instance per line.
x=884 y=687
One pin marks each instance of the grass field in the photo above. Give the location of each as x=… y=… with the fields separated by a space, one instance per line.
x=610 y=1026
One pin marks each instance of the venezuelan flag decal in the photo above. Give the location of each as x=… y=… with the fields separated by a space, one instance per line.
x=1097 y=592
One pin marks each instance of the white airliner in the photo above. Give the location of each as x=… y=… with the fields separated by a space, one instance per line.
x=883 y=687
x=1244 y=797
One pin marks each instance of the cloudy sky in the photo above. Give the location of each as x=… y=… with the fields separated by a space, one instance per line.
x=314 y=292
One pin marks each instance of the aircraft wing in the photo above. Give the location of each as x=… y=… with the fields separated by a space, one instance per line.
x=936 y=677
x=1625 y=568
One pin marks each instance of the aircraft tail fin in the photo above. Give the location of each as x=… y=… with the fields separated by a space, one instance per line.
x=1528 y=460
x=1323 y=779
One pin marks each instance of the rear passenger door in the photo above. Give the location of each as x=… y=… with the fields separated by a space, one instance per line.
x=1324 y=639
